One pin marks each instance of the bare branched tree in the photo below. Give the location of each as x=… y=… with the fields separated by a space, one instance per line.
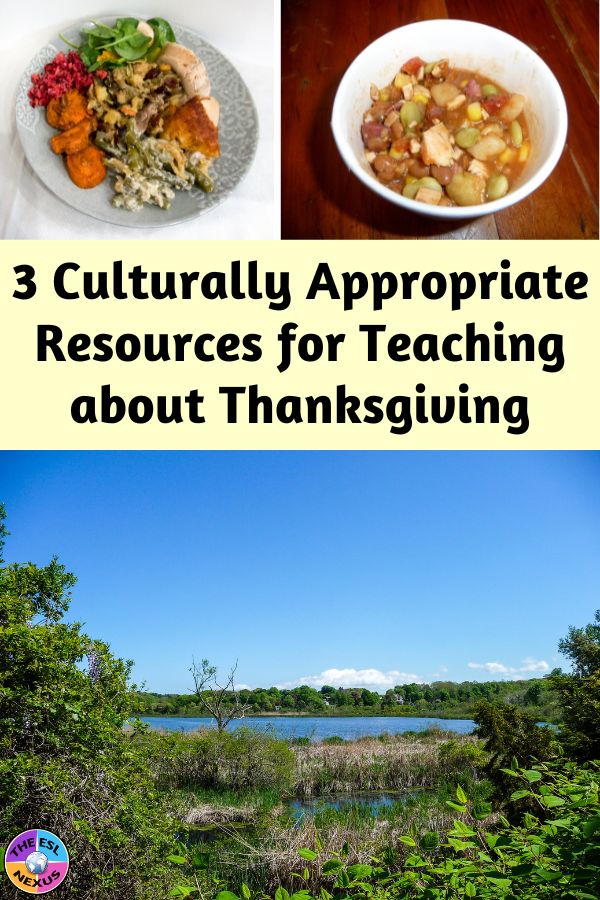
x=221 y=701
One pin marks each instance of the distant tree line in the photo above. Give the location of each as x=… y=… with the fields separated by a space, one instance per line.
x=440 y=697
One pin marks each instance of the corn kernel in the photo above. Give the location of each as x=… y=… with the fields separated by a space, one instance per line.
x=507 y=156
x=523 y=152
x=384 y=95
x=474 y=112
x=165 y=67
x=410 y=179
x=396 y=151
x=421 y=98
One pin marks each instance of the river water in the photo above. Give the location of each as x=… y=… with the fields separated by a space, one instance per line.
x=316 y=728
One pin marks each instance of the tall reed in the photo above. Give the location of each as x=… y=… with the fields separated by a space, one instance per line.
x=398 y=763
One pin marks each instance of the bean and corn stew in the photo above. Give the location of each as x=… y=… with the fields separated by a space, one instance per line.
x=445 y=136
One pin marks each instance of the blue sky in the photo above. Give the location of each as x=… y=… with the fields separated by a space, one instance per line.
x=344 y=568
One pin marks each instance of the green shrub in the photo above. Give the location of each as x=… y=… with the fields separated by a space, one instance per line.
x=511 y=737
x=238 y=760
x=580 y=703
x=65 y=764
x=455 y=755
x=579 y=692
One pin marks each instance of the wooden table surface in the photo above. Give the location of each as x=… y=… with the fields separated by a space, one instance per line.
x=321 y=199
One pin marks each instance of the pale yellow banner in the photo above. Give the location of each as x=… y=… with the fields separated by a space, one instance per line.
x=240 y=340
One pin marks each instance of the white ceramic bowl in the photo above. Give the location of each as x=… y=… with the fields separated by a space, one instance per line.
x=470 y=45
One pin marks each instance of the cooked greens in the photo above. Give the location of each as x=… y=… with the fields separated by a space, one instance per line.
x=149 y=170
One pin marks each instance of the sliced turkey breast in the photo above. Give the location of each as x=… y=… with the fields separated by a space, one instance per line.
x=190 y=69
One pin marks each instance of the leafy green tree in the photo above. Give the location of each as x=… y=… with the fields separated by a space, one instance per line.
x=533 y=693
x=582 y=647
x=389 y=699
x=369 y=698
x=340 y=697
x=579 y=692
x=307 y=697
x=512 y=738
x=65 y=762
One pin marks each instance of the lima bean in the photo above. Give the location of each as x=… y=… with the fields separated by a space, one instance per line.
x=516 y=133
x=497 y=186
x=410 y=190
x=412 y=112
x=466 y=137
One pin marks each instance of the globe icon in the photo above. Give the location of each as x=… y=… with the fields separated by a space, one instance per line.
x=37 y=862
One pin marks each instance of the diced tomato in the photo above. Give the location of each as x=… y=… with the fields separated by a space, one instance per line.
x=412 y=66
x=494 y=103
x=101 y=73
x=401 y=145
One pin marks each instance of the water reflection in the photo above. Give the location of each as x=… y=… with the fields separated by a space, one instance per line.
x=375 y=803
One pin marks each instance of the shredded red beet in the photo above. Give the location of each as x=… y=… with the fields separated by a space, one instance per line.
x=64 y=73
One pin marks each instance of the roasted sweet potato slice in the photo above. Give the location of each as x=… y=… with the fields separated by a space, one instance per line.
x=74 y=139
x=67 y=110
x=86 y=168
x=194 y=126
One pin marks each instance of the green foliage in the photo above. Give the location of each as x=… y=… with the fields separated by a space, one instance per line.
x=238 y=760
x=123 y=41
x=582 y=647
x=553 y=855
x=459 y=754
x=510 y=734
x=580 y=701
x=579 y=692
x=64 y=761
x=442 y=698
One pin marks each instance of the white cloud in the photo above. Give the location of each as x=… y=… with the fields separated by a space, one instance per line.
x=244 y=687
x=528 y=665
x=442 y=670
x=349 y=678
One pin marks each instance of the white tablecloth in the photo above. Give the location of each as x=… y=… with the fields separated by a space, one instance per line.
x=243 y=31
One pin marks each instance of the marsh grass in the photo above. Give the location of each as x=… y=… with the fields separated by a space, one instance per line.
x=268 y=858
x=218 y=782
x=395 y=763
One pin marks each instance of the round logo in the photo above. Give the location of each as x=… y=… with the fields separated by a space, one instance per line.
x=36 y=861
